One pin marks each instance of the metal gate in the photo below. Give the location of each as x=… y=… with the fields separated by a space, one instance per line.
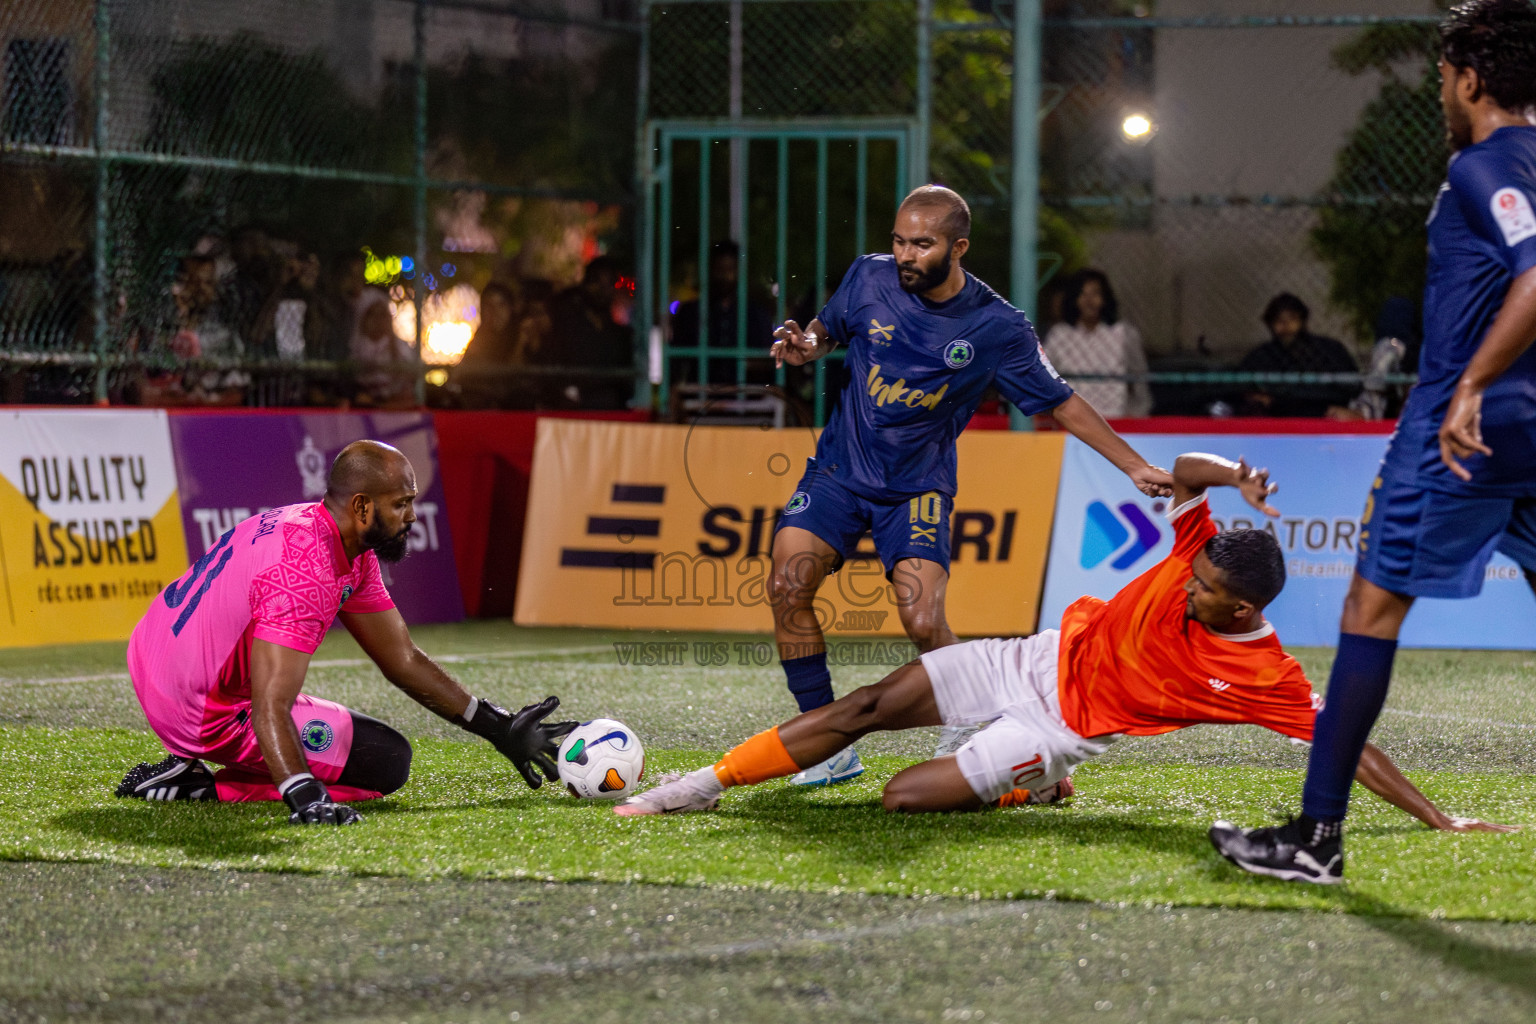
x=794 y=202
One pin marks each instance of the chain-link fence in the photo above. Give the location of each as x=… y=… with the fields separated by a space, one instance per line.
x=208 y=194
x=267 y=202
x=1207 y=158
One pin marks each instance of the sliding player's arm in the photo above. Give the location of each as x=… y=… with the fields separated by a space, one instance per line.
x=1513 y=330
x=1378 y=774
x=277 y=676
x=1196 y=472
x=1085 y=423
x=523 y=738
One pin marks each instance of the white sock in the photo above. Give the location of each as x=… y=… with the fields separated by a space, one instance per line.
x=706 y=779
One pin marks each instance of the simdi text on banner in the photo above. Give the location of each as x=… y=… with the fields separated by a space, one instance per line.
x=90 y=525
x=671 y=527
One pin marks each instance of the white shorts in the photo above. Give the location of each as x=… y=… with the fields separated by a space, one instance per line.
x=1010 y=683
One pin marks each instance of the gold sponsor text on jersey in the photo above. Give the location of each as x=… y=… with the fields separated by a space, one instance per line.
x=891 y=394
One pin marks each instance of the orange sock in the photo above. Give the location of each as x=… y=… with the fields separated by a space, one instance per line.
x=760 y=758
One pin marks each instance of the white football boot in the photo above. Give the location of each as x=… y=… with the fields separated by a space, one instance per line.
x=843 y=766
x=953 y=737
x=675 y=794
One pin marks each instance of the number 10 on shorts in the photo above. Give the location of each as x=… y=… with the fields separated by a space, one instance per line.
x=1028 y=771
x=925 y=508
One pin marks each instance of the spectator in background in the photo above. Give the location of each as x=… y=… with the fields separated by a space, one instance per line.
x=1092 y=338
x=483 y=374
x=1291 y=349
x=722 y=325
x=199 y=328
x=587 y=337
x=337 y=298
x=244 y=295
x=1396 y=351
x=386 y=363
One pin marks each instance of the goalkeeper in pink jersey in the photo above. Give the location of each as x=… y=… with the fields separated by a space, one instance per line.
x=218 y=662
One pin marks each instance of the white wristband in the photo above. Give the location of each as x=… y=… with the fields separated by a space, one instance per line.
x=293 y=780
x=468 y=714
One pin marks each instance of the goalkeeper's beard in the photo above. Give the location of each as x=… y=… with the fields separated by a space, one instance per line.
x=924 y=280
x=388 y=548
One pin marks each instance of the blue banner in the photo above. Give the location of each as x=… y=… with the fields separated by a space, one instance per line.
x=1105 y=534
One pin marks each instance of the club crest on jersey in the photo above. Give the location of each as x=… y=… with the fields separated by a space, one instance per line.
x=958 y=353
x=317 y=735
x=798 y=502
x=346 y=592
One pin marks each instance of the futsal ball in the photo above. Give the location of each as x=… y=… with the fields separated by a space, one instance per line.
x=601 y=760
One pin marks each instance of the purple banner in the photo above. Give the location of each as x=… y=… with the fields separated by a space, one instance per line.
x=233 y=465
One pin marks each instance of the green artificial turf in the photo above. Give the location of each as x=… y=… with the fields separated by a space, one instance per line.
x=1135 y=833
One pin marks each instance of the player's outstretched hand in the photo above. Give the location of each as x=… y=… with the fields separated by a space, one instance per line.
x=525 y=738
x=1153 y=481
x=311 y=804
x=1255 y=487
x=795 y=346
x=1473 y=825
x=1461 y=433
x=323 y=812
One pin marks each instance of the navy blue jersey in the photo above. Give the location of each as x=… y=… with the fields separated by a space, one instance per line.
x=1482 y=235
x=917 y=370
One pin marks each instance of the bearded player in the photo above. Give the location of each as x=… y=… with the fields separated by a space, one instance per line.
x=925 y=341
x=1183 y=644
x=1459 y=478
x=218 y=662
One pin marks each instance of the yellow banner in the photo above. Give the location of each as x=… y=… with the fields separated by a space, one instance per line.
x=90 y=523
x=671 y=527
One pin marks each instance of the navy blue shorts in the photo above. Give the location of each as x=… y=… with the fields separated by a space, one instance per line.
x=1435 y=544
x=917 y=527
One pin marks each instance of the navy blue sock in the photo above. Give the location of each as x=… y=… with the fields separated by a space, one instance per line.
x=809 y=680
x=1357 y=688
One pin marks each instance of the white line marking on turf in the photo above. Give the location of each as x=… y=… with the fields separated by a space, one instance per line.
x=1458 y=718
x=102 y=678
x=459 y=659
x=446 y=659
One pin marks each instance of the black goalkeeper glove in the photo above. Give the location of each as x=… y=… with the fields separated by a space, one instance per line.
x=311 y=804
x=525 y=738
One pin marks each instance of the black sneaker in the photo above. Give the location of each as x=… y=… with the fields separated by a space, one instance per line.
x=1301 y=850
x=175 y=778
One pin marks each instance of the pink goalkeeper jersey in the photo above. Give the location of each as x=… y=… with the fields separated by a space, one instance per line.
x=281 y=576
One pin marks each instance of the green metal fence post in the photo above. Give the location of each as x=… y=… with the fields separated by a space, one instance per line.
x=781 y=246
x=663 y=234
x=821 y=270
x=646 y=315
x=740 y=169
x=920 y=145
x=100 y=285
x=1025 y=196
x=704 y=182
x=419 y=203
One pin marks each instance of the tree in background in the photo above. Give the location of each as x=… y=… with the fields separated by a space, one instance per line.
x=1385 y=178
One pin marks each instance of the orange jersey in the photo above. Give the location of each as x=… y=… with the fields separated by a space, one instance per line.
x=1134 y=664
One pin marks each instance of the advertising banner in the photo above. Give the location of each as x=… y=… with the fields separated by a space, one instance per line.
x=671 y=527
x=90 y=528
x=1106 y=534
x=235 y=465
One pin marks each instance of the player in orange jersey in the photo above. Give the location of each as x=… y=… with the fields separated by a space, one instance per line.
x=1184 y=643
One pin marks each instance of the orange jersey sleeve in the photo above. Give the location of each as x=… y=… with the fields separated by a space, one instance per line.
x=1136 y=664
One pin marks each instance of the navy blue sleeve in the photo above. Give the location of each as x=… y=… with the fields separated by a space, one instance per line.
x=1025 y=377
x=834 y=315
x=1498 y=202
